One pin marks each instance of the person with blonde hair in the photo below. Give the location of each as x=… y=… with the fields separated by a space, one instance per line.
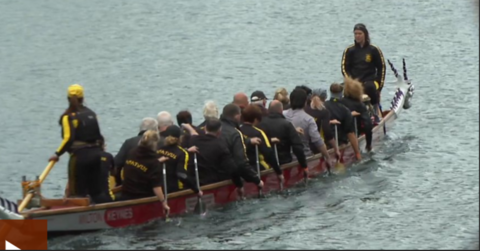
x=142 y=173
x=281 y=95
x=353 y=100
x=177 y=163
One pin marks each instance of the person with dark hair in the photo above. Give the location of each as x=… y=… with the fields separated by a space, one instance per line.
x=258 y=98
x=177 y=163
x=83 y=140
x=340 y=112
x=252 y=116
x=299 y=118
x=364 y=61
x=234 y=140
x=321 y=115
x=214 y=160
x=185 y=117
x=276 y=126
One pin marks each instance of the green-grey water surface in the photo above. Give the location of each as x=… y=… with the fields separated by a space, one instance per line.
x=137 y=58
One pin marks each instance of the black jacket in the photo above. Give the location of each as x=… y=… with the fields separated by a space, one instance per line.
x=341 y=113
x=276 y=126
x=365 y=63
x=364 y=122
x=235 y=142
x=215 y=163
x=125 y=149
x=142 y=173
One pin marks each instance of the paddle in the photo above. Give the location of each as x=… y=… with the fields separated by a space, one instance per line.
x=165 y=191
x=338 y=164
x=260 y=190
x=40 y=180
x=278 y=163
x=200 y=206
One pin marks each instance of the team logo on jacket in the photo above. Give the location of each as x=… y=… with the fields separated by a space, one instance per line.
x=368 y=58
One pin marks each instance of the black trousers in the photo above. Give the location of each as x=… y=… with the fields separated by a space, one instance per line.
x=370 y=89
x=86 y=176
x=247 y=173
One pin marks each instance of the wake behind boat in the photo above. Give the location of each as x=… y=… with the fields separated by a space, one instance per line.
x=77 y=214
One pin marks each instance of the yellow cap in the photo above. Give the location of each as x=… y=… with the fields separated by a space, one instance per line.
x=75 y=90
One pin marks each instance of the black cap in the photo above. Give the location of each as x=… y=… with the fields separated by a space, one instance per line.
x=257 y=95
x=173 y=131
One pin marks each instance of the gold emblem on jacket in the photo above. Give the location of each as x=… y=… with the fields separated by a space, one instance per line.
x=368 y=58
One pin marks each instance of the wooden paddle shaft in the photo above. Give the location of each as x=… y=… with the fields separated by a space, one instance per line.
x=42 y=177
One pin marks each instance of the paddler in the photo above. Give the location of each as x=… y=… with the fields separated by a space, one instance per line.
x=258 y=98
x=83 y=140
x=339 y=112
x=252 y=116
x=299 y=118
x=353 y=100
x=240 y=99
x=177 y=163
x=210 y=110
x=364 y=61
x=185 y=117
x=214 y=160
x=143 y=171
x=276 y=126
x=129 y=144
x=234 y=140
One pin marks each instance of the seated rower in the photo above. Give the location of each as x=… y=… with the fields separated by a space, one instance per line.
x=215 y=163
x=143 y=171
x=281 y=95
x=341 y=113
x=316 y=108
x=177 y=163
x=210 y=110
x=252 y=115
x=353 y=100
x=234 y=139
x=185 y=117
x=299 y=118
x=129 y=144
x=276 y=126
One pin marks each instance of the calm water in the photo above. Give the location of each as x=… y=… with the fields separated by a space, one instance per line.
x=136 y=58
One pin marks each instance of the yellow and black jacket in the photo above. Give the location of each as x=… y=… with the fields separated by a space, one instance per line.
x=81 y=126
x=364 y=63
x=266 y=154
x=177 y=167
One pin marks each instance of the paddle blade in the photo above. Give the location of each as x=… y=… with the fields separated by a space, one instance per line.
x=200 y=207
x=340 y=168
